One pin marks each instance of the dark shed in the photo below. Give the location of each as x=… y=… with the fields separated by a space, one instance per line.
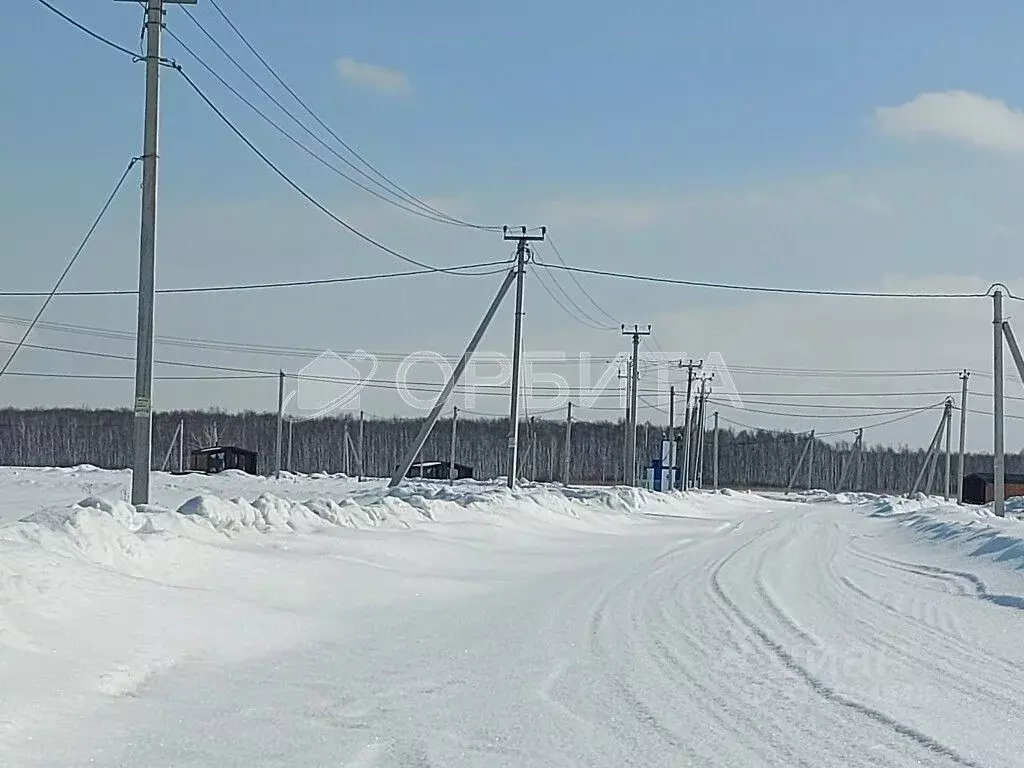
x=221 y=457
x=438 y=470
x=979 y=487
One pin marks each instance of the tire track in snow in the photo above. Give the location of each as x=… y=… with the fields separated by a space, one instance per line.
x=828 y=693
x=977 y=586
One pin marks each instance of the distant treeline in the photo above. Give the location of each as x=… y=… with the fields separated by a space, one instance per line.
x=66 y=437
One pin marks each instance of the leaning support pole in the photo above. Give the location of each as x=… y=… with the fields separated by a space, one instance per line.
x=998 y=459
x=848 y=464
x=800 y=462
x=170 y=448
x=932 y=446
x=933 y=468
x=431 y=419
x=451 y=456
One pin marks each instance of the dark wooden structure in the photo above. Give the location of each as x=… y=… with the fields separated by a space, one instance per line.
x=220 y=457
x=979 y=487
x=438 y=470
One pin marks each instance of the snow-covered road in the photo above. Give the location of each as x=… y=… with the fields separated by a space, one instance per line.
x=724 y=631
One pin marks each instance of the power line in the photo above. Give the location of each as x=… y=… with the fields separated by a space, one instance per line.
x=91 y=33
x=284 y=132
x=614 y=321
x=395 y=188
x=765 y=289
x=70 y=264
x=295 y=185
x=580 y=316
x=459 y=271
x=722 y=404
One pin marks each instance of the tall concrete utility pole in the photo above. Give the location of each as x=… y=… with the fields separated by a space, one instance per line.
x=625 y=424
x=998 y=465
x=362 y=456
x=860 y=459
x=451 y=460
x=715 y=465
x=280 y=424
x=568 y=443
x=685 y=469
x=345 y=461
x=698 y=464
x=635 y=333
x=672 y=434
x=143 y=407
x=948 y=429
x=810 y=462
x=964 y=376
x=521 y=239
x=288 y=464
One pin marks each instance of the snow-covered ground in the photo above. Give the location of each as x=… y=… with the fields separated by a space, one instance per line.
x=317 y=621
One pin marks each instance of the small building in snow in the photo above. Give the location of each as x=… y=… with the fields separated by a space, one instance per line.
x=979 y=487
x=220 y=457
x=439 y=470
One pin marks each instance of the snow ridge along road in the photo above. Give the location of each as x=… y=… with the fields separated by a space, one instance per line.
x=470 y=626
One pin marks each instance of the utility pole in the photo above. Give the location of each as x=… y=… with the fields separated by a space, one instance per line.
x=625 y=425
x=685 y=473
x=413 y=450
x=362 y=456
x=280 y=424
x=810 y=462
x=933 y=446
x=964 y=376
x=860 y=460
x=533 y=449
x=451 y=460
x=672 y=434
x=567 y=462
x=698 y=464
x=715 y=465
x=800 y=462
x=998 y=465
x=291 y=423
x=948 y=429
x=345 y=439
x=143 y=422
x=636 y=333
x=517 y=347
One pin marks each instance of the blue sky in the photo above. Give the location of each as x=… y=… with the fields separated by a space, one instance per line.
x=739 y=142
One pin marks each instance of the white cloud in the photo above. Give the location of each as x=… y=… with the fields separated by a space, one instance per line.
x=374 y=77
x=957 y=115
